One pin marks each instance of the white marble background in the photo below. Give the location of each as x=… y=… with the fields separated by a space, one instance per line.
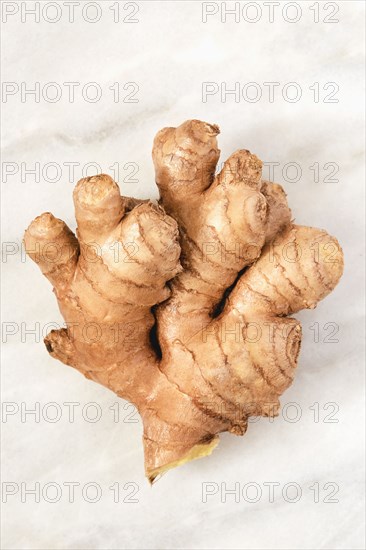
x=168 y=53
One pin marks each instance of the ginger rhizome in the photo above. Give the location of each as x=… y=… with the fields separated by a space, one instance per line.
x=182 y=307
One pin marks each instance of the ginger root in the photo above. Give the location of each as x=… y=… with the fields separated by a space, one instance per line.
x=181 y=307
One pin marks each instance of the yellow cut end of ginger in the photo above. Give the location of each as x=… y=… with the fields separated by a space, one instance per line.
x=198 y=451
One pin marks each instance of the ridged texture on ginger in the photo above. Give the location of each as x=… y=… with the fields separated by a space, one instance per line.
x=181 y=307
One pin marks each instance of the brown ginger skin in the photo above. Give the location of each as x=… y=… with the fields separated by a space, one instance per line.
x=222 y=266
